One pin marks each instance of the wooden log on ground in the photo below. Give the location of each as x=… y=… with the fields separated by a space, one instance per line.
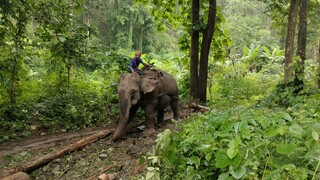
x=40 y=161
x=198 y=107
x=18 y=176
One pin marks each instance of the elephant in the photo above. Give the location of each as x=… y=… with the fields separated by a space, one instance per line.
x=152 y=93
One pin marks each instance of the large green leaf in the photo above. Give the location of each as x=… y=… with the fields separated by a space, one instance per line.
x=296 y=131
x=286 y=148
x=239 y=172
x=271 y=132
x=232 y=152
x=286 y=116
x=222 y=159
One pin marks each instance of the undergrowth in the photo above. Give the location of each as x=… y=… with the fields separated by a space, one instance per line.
x=253 y=142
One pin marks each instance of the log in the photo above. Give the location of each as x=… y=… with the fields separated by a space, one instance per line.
x=18 y=176
x=40 y=161
x=198 y=107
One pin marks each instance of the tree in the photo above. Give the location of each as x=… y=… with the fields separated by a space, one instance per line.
x=173 y=11
x=205 y=48
x=194 y=57
x=292 y=19
x=14 y=18
x=319 y=66
x=302 y=43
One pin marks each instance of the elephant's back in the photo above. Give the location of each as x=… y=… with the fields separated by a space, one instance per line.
x=169 y=83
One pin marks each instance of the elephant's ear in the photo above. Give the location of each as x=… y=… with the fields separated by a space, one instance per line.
x=148 y=85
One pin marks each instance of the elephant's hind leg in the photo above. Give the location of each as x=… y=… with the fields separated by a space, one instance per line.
x=174 y=106
x=160 y=117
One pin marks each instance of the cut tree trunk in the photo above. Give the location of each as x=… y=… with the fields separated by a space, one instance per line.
x=40 y=161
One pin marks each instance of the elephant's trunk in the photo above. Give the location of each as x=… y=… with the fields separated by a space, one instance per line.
x=119 y=131
x=124 y=119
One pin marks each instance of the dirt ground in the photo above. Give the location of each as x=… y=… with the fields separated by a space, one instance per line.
x=122 y=158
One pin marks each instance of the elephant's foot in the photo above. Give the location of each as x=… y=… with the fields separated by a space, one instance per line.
x=149 y=132
x=160 y=124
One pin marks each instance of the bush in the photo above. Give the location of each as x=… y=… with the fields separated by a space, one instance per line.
x=241 y=143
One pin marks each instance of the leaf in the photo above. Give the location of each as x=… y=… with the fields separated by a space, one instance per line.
x=282 y=130
x=296 y=131
x=239 y=172
x=171 y=156
x=149 y=175
x=232 y=152
x=222 y=159
x=271 y=132
x=224 y=176
x=194 y=160
x=163 y=139
x=286 y=116
x=235 y=162
x=62 y=39
x=234 y=143
x=266 y=50
x=246 y=51
x=315 y=135
x=286 y=148
x=196 y=27
x=208 y=156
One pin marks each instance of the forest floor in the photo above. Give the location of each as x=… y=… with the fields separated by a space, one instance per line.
x=121 y=159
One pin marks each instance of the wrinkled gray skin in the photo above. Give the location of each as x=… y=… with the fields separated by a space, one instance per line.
x=151 y=95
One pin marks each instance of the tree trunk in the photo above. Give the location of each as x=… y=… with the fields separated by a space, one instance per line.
x=130 y=35
x=315 y=52
x=140 y=41
x=205 y=49
x=13 y=82
x=21 y=27
x=302 y=43
x=290 y=39
x=319 y=66
x=69 y=76
x=194 y=52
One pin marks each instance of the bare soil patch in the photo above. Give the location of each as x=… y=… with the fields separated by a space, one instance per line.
x=122 y=158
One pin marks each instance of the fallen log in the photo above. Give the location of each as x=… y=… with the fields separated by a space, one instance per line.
x=18 y=176
x=198 y=107
x=40 y=161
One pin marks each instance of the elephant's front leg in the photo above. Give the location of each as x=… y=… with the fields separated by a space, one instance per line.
x=133 y=111
x=150 y=110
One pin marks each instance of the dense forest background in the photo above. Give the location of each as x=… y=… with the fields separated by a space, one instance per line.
x=60 y=62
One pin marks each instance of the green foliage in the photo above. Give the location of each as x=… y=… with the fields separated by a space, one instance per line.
x=241 y=143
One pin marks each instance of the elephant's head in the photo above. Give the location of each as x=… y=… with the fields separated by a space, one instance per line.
x=130 y=88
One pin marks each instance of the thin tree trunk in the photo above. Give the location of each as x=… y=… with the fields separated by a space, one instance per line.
x=140 y=41
x=315 y=52
x=290 y=39
x=69 y=77
x=194 y=54
x=319 y=65
x=13 y=82
x=130 y=35
x=302 y=43
x=205 y=49
x=116 y=5
x=21 y=21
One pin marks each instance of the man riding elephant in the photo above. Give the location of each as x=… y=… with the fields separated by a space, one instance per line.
x=135 y=62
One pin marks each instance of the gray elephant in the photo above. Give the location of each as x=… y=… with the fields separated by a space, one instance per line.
x=153 y=93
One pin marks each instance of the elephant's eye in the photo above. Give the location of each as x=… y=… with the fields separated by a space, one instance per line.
x=133 y=92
